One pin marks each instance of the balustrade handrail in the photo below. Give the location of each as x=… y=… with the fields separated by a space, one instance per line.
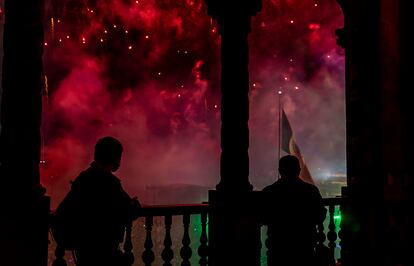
x=339 y=200
x=175 y=209
x=181 y=209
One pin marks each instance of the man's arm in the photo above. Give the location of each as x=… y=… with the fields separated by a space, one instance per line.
x=135 y=208
x=131 y=206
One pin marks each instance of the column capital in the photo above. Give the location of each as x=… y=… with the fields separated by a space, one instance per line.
x=218 y=8
x=235 y=12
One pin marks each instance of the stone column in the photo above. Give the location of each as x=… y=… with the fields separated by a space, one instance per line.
x=234 y=231
x=376 y=222
x=362 y=216
x=24 y=208
x=233 y=19
x=406 y=77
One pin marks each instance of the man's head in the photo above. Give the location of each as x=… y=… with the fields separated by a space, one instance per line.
x=289 y=166
x=108 y=152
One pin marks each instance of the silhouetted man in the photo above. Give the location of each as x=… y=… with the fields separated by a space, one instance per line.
x=97 y=208
x=293 y=208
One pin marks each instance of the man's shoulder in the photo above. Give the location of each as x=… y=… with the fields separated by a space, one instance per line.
x=95 y=175
x=306 y=185
x=311 y=190
x=312 y=187
x=277 y=189
x=82 y=178
x=271 y=187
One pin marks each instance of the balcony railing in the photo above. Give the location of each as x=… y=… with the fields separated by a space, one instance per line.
x=166 y=212
x=329 y=231
x=328 y=234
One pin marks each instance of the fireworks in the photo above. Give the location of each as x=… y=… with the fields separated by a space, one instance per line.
x=165 y=56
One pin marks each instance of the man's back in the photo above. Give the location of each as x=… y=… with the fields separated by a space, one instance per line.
x=292 y=209
x=102 y=206
x=92 y=217
x=292 y=204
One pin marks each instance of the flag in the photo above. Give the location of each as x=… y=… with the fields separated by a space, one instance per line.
x=287 y=134
x=288 y=144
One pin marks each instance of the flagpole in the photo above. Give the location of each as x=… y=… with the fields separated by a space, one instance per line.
x=279 y=93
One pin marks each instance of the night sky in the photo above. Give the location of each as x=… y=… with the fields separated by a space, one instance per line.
x=147 y=72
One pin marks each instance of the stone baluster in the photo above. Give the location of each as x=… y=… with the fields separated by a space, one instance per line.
x=185 y=251
x=320 y=240
x=167 y=254
x=59 y=257
x=203 y=249
x=267 y=245
x=148 y=255
x=342 y=243
x=321 y=234
x=332 y=236
x=129 y=256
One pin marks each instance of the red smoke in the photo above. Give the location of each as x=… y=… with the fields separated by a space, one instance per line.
x=147 y=72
